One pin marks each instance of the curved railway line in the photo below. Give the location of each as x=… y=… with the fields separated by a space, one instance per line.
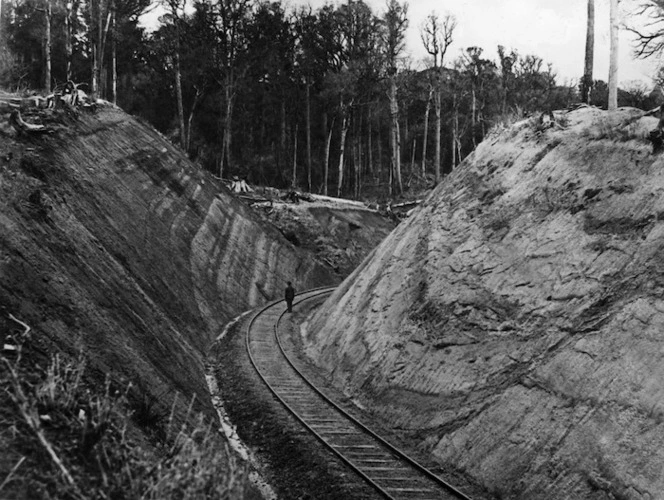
x=387 y=469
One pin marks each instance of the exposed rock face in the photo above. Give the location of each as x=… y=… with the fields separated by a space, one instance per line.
x=112 y=242
x=516 y=320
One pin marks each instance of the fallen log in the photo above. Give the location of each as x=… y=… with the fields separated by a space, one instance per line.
x=22 y=126
x=407 y=204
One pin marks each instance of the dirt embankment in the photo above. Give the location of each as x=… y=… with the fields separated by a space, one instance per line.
x=513 y=325
x=339 y=233
x=114 y=245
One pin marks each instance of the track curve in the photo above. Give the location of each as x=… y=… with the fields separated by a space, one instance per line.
x=386 y=468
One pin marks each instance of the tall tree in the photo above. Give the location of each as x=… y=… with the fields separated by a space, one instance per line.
x=587 y=81
x=613 y=59
x=437 y=36
x=68 y=37
x=47 y=10
x=176 y=14
x=48 y=44
x=395 y=23
x=355 y=73
x=230 y=21
x=425 y=139
x=305 y=28
x=507 y=63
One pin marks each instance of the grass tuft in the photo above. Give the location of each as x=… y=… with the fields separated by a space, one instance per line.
x=74 y=440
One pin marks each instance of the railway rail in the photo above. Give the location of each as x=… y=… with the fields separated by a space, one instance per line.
x=390 y=471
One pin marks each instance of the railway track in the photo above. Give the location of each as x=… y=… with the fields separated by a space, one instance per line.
x=387 y=469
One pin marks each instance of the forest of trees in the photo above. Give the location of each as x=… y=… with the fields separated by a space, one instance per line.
x=322 y=100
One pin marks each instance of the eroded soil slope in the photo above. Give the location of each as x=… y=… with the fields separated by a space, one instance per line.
x=114 y=245
x=513 y=326
x=340 y=233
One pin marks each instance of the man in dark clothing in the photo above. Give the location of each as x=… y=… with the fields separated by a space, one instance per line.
x=290 y=295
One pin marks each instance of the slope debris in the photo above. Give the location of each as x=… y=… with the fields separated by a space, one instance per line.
x=512 y=326
x=340 y=233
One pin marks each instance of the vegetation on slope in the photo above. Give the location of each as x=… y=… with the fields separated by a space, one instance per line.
x=69 y=435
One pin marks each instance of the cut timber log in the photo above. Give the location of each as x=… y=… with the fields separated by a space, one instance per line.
x=21 y=126
x=407 y=204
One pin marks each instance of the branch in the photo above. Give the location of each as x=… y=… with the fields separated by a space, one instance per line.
x=11 y=473
x=24 y=325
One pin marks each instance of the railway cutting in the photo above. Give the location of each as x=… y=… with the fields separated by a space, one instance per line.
x=386 y=468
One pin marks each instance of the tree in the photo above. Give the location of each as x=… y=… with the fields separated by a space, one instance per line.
x=613 y=59
x=650 y=39
x=305 y=27
x=587 y=81
x=479 y=73
x=175 y=6
x=47 y=10
x=231 y=18
x=437 y=36
x=507 y=63
x=395 y=24
x=68 y=37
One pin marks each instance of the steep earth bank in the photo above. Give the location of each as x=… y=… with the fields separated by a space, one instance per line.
x=340 y=233
x=114 y=245
x=513 y=326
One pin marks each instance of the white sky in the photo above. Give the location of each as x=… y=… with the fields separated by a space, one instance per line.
x=554 y=30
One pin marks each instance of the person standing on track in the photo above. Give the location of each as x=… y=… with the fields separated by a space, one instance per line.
x=290 y=295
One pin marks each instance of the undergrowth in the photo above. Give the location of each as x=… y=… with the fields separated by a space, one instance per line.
x=626 y=129
x=72 y=440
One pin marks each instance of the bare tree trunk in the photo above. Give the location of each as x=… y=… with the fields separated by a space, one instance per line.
x=397 y=170
x=308 y=125
x=197 y=99
x=473 y=116
x=326 y=169
x=178 y=92
x=282 y=127
x=412 y=157
x=98 y=49
x=613 y=60
x=356 y=166
x=437 y=106
x=395 y=141
x=342 y=147
x=380 y=155
x=93 y=84
x=48 y=14
x=114 y=55
x=587 y=82
x=426 y=133
x=370 y=164
x=96 y=54
x=294 y=181
x=228 y=122
x=68 y=37
x=455 y=131
x=457 y=140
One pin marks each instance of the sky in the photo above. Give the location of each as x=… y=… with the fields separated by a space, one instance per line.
x=554 y=30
